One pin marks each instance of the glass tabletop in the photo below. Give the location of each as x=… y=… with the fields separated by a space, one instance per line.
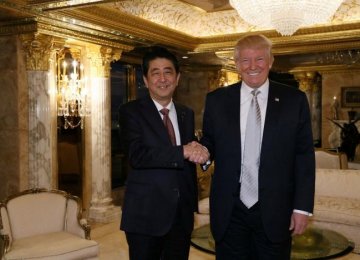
x=315 y=243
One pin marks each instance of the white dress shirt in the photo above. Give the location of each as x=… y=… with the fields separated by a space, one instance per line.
x=173 y=118
x=245 y=101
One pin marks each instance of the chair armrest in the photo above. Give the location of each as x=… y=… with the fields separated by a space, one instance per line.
x=5 y=240
x=86 y=227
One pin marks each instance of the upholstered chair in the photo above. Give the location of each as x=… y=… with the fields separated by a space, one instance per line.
x=330 y=160
x=45 y=224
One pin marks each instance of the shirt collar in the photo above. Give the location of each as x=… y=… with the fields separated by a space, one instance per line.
x=246 y=91
x=159 y=107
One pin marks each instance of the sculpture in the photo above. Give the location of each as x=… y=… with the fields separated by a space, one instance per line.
x=350 y=138
x=334 y=109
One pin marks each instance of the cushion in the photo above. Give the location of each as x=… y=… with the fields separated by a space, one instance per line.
x=337 y=210
x=204 y=206
x=45 y=213
x=338 y=183
x=57 y=245
x=327 y=160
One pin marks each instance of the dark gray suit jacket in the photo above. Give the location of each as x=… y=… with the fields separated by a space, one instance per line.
x=160 y=179
x=287 y=163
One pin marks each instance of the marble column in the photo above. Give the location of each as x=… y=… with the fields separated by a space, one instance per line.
x=316 y=109
x=14 y=115
x=42 y=135
x=131 y=82
x=98 y=135
x=306 y=80
x=309 y=83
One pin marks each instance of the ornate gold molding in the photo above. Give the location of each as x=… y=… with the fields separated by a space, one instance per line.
x=132 y=28
x=306 y=80
x=98 y=37
x=322 y=69
x=37 y=48
x=95 y=61
x=108 y=55
x=100 y=58
x=20 y=27
x=309 y=40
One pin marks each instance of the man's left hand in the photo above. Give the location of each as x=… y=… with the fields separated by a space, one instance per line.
x=298 y=223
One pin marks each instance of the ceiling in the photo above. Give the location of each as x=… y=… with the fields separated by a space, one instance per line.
x=204 y=30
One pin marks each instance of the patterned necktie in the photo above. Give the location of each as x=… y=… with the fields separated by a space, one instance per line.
x=250 y=168
x=168 y=125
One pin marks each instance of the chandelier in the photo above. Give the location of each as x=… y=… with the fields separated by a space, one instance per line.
x=286 y=16
x=71 y=91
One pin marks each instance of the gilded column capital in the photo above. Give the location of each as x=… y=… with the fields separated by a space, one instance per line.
x=101 y=58
x=108 y=55
x=37 y=48
x=306 y=80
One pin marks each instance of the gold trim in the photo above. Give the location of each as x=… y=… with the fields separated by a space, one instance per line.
x=21 y=26
x=108 y=55
x=325 y=69
x=37 y=48
x=134 y=27
x=313 y=39
x=306 y=80
x=83 y=34
x=50 y=5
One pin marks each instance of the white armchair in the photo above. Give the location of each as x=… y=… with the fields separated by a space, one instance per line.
x=43 y=224
x=330 y=160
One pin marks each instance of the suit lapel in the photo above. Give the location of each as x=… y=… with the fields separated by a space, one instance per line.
x=153 y=118
x=233 y=106
x=181 y=117
x=272 y=118
x=233 y=122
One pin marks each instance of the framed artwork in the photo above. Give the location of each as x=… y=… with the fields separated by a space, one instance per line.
x=350 y=97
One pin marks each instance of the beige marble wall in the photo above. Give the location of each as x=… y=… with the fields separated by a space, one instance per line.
x=192 y=90
x=331 y=86
x=13 y=117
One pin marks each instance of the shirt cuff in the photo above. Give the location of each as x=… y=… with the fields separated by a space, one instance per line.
x=303 y=212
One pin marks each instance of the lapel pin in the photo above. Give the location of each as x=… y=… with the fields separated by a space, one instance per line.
x=277 y=99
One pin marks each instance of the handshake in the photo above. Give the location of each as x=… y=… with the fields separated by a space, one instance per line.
x=196 y=152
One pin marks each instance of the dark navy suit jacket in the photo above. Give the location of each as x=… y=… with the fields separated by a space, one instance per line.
x=287 y=164
x=160 y=179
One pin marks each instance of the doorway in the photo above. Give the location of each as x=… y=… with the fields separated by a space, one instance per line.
x=70 y=166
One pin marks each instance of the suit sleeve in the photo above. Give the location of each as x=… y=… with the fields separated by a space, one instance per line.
x=207 y=138
x=304 y=161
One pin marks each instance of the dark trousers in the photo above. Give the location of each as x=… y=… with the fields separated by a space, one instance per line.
x=174 y=245
x=245 y=238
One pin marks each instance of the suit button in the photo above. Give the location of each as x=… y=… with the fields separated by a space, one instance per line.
x=175 y=164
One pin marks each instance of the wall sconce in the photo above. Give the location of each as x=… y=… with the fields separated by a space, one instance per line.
x=72 y=96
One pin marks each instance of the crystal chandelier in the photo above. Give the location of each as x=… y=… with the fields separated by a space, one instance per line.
x=72 y=92
x=286 y=16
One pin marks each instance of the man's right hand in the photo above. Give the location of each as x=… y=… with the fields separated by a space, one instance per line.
x=196 y=153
